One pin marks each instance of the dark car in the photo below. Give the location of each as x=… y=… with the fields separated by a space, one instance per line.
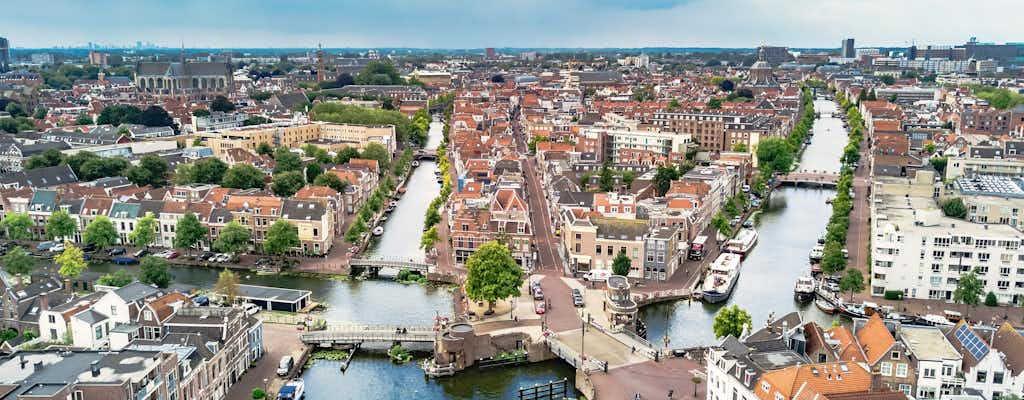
x=141 y=253
x=116 y=252
x=205 y=256
x=89 y=248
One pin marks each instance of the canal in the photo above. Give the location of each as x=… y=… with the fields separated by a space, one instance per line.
x=788 y=226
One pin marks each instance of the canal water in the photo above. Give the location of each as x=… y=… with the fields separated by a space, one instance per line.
x=788 y=226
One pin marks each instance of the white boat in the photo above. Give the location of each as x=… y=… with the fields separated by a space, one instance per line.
x=721 y=279
x=415 y=163
x=816 y=253
x=743 y=242
x=294 y=389
x=378 y=230
x=803 y=291
x=934 y=320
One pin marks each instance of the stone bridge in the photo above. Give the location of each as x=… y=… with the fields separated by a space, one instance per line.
x=809 y=178
x=357 y=333
x=374 y=264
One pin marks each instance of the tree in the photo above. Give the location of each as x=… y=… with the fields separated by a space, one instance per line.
x=714 y=104
x=740 y=147
x=93 y=167
x=144 y=232
x=83 y=119
x=119 y=278
x=888 y=80
x=227 y=286
x=346 y=153
x=100 y=232
x=774 y=155
x=607 y=180
x=930 y=148
x=17 y=262
x=40 y=113
x=498 y=78
x=285 y=184
x=376 y=151
x=258 y=394
x=663 y=179
x=281 y=237
x=222 y=104
x=154 y=271
x=969 y=289
x=60 y=225
x=285 y=160
x=202 y=112
x=265 y=149
x=332 y=181
x=356 y=230
x=492 y=274
x=152 y=170
x=991 y=300
x=189 y=231
x=939 y=163
x=16 y=110
x=852 y=281
x=17 y=225
x=730 y=321
x=954 y=207
x=243 y=176
x=832 y=259
x=48 y=158
x=726 y=85
x=429 y=238
x=233 y=238
x=71 y=261
x=313 y=170
x=156 y=116
x=209 y=170
x=379 y=73
x=621 y=264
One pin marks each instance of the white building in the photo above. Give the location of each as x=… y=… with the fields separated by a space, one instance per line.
x=992 y=359
x=938 y=363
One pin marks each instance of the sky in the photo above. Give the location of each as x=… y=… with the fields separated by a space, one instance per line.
x=508 y=23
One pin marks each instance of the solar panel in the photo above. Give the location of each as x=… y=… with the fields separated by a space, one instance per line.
x=971 y=342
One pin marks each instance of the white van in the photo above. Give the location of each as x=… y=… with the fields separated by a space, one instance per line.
x=285 y=366
x=597 y=275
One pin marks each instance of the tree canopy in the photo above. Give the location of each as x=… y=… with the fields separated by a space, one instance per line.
x=243 y=176
x=730 y=321
x=281 y=237
x=189 y=231
x=621 y=264
x=152 y=170
x=156 y=116
x=954 y=207
x=117 y=114
x=18 y=262
x=154 y=271
x=852 y=282
x=119 y=278
x=332 y=181
x=351 y=114
x=285 y=160
x=227 y=286
x=969 y=289
x=145 y=231
x=60 y=225
x=233 y=238
x=17 y=225
x=285 y=184
x=492 y=273
x=71 y=262
x=222 y=104
x=379 y=73
x=774 y=155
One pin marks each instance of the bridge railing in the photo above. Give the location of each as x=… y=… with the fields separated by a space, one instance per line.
x=571 y=356
x=357 y=328
x=627 y=338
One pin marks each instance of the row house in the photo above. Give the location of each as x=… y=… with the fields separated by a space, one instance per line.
x=592 y=243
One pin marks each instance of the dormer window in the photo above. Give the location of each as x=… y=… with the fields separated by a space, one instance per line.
x=147 y=315
x=895 y=355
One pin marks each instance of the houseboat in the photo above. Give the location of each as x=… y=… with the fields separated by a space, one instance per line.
x=803 y=291
x=721 y=279
x=743 y=242
x=816 y=253
x=294 y=389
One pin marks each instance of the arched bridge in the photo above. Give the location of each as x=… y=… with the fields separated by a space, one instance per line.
x=423 y=154
x=808 y=178
x=378 y=262
x=356 y=333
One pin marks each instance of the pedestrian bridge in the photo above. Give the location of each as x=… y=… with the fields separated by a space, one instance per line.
x=809 y=178
x=424 y=154
x=357 y=333
x=376 y=263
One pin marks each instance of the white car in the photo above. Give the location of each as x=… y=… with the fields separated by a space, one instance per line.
x=597 y=275
x=251 y=309
x=57 y=248
x=163 y=254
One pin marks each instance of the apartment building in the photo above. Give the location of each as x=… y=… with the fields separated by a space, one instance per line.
x=623 y=143
x=719 y=131
x=593 y=243
x=983 y=163
x=990 y=358
x=331 y=136
x=992 y=199
x=938 y=362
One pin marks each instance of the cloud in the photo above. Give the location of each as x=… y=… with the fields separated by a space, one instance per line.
x=510 y=23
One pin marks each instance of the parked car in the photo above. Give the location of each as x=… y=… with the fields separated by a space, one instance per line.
x=577 y=300
x=116 y=251
x=597 y=275
x=141 y=253
x=538 y=294
x=539 y=308
x=172 y=255
x=748 y=223
x=285 y=366
x=162 y=254
x=251 y=309
x=831 y=286
x=44 y=246
x=735 y=221
x=206 y=256
x=88 y=248
x=57 y=248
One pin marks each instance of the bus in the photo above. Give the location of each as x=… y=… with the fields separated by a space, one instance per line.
x=698 y=248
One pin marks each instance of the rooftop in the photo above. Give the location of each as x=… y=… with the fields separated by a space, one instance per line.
x=991 y=185
x=928 y=343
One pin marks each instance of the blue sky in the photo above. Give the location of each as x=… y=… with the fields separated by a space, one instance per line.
x=508 y=23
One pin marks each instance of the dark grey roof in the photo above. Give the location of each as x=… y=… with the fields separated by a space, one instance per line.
x=272 y=293
x=136 y=291
x=302 y=210
x=290 y=101
x=577 y=199
x=29 y=150
x=40 y=177
x=74 y=206
x=507 y=166
x=43 y=371
x=90 y=316
x=176 y=69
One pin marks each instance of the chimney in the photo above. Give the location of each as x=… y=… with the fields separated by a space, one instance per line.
x=94 y=366
x=44 y=301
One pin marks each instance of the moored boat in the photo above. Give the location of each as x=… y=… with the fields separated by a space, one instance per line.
x=378 y=230
x=803 y=291
x=825 y=306
x=721 y=279
x=294 y=389
x=743 y=242
x=816 y=253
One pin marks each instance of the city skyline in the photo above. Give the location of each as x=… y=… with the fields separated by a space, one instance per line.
x=529 y=24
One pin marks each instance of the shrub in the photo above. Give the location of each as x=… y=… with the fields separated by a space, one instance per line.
x=991 y=300
x=894 y=295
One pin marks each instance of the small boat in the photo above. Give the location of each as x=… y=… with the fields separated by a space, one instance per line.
x=933 y=320
x=389 y=208
x=828 y=200
x=378 y=230
x=815 y=269
x=825 y=306
x=743 y=242
x=721 y=279
x=415 y=163
x=125 y=260
x=294 y=389
x=803 y=291
x=816 y=253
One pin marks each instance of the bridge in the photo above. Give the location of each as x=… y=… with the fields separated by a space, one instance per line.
x=812 y=178
x=374 y=264
x=423 y=154
x=356 y=333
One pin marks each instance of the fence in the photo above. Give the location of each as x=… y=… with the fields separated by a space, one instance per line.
x=624 y=336
x=572 y=357
x=648 y=298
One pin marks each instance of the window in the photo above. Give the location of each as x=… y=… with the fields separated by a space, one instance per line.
x=901 y=370
x=929 y=373
x=99 y=332
x=148 y=316
x=947 y=370
x=885 y=369
x=982 y=376
x=894 y=355
x=997 y=377
x=599 y=250
x=766 y=387
x=77 y=395
x=113 y=311
x=52 y=319
x=778 y=396
x=905 y=388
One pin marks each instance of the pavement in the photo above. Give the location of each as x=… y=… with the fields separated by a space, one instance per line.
x=652 y=380
x=595 y=344
x=278 y=340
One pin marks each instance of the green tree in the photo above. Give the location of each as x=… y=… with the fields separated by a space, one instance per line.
x=184 y=174
x=313 y=170
x=332 y=181
x=156 y=116
x=621 y=264
x=285 y=184
x=832 y=259
x=145 y=231
x=227 y=286
x=202 y=112
x=189 y=231
x=154 y=271
x=83 y=119
x=852 y=282
x=222 y=104
x=243 y=176
x=265 y=149
x=118 y=114
x=606 y=182
x=991 y=300
x=100 y=232
x=969 y=289
x=532 y=145
x=376 y=151
x=282 y=237
x=730 y=321
x=379 y=73
x=258 y=394
x=209 y=170
x=233 y=238
x=954 y=207
x=740 y=147
x=40 y=113
x=48 y=158
x=939 y=163
x=663 y=179
x=930 y=148
x=16 y=110
x=18 y=226
x=17 y=262
x=152 y=170
x=285 y=160
x=429 y=238
x=71 y=261
x=714 y=104
x=346 y=153
x=356 y=230
x=492 y=274
x=774 y=155
x=256 y=120
x=119 y=278
x=60 y=225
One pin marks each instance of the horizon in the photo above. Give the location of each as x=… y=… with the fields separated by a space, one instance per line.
x=509 y=24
